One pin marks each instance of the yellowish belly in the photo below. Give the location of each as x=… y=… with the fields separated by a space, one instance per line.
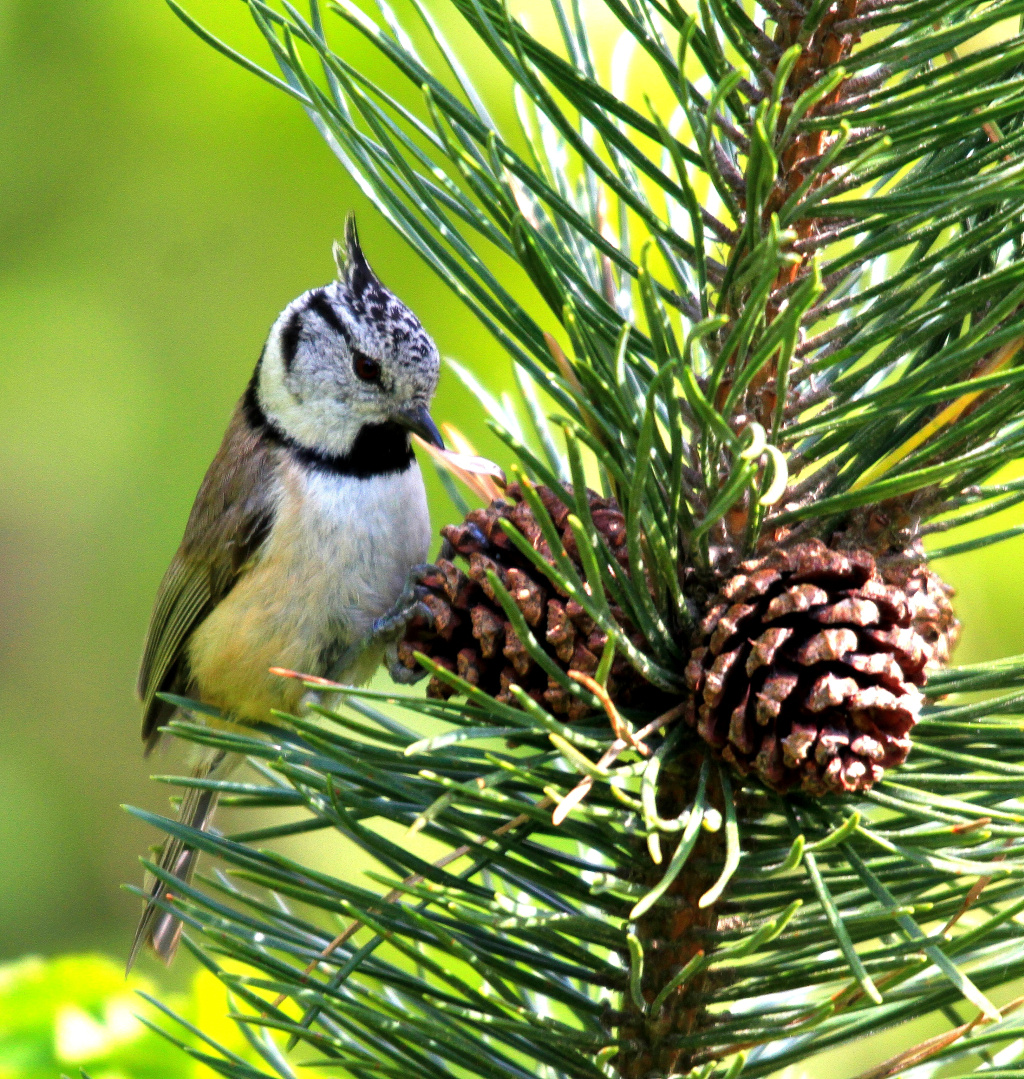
x=231 y=653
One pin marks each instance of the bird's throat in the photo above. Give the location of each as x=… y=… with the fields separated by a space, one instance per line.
x=379 y=449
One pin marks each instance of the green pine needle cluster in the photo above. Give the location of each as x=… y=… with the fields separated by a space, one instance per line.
x=782 y=244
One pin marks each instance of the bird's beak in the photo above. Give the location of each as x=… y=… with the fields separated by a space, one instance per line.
x=418 y=420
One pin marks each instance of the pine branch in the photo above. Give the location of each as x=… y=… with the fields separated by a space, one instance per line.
x=790 y=288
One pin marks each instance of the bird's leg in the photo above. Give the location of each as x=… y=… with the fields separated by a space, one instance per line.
x=391 y=626
x=387 y=630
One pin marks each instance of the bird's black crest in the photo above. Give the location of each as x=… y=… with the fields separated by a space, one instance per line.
x=357 y=270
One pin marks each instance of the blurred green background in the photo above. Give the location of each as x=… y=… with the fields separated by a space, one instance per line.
x=159 y=206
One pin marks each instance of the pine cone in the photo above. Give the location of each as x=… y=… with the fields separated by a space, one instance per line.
x=806 y=664
x=471 y=635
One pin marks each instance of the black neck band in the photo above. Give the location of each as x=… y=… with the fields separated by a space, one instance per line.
x=380 y=449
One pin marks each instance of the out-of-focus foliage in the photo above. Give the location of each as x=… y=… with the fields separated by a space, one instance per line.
x=79 y=1012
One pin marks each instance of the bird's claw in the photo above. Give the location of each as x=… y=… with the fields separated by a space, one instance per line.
x=400 y=673
x=390 y=627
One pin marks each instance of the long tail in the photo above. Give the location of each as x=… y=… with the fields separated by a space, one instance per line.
x=158 y=928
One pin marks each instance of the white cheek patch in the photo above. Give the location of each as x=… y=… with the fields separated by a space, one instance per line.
x=318 y=420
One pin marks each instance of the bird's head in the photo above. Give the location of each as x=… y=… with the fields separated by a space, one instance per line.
x=347 y=356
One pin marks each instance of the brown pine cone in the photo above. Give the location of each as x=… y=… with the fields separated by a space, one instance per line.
x=806 y=664
x=471 y=635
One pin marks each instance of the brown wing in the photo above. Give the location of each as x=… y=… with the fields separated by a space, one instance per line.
x=232 y=514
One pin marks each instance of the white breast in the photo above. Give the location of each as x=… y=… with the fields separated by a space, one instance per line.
x=337 y=558
x=368 y=533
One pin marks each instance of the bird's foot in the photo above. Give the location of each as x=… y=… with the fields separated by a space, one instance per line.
x=392 y=625
x=386 y=632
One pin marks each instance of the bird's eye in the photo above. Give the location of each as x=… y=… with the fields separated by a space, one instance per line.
x=365 y=367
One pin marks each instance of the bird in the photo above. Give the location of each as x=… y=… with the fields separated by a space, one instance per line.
x=305 y=538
